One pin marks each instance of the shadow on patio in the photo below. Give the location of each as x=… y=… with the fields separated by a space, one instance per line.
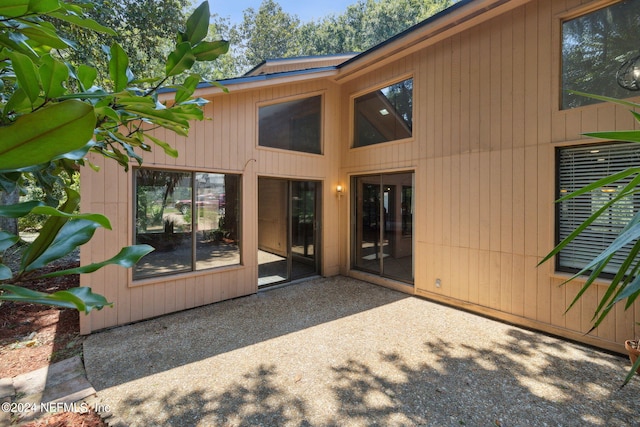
x=341 y=352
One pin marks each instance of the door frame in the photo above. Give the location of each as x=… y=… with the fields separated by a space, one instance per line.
x=316 y=227
x=371 y=275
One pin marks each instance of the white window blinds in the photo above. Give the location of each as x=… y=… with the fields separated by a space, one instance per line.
x=578 y=167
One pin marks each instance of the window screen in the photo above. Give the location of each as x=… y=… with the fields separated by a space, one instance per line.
x=578 y=167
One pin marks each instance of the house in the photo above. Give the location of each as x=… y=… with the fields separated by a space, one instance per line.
x=428 y=164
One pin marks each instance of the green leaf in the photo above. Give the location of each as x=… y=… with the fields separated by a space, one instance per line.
x=623 y=135
x=78 y=154
x=135 y=100
x=180 y=60
x=19 y=102
x=109 y=112
x=45 y=36
x=73 y=234
x=210 y=51
x=220 y=86
x=198 y=23
x=601 y=183
x=165 y=118
x=187 y=88
x=43 y=6
x=38 y=137
x=89 y=24
x=127 y=258
x=82 y=298
x=26 y=74
x=169 y=151
x=53 y=75
x=605 y=98
x=14 y=8
x=50 y=230
x=632 y=372
x=610 y=179
x=102 y=220
x=19 y=210
x=118 y=65
x=5 y=272
x=86 y=76
x=7 y=240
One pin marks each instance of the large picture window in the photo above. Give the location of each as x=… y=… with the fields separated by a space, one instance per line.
x=578 y=167
x=593 y=48
x=292 y=125
x=190 y=218
x=384 y=115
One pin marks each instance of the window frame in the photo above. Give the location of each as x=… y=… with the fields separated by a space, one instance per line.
x=285 y=100
x=193 y=271
x=383 y=85
x=561 y=19
x=558 y=236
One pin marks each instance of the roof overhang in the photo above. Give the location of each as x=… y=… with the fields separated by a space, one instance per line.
x=300 y=63
x=459 y=17
x=260 y=81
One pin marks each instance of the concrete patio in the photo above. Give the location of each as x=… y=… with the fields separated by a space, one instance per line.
x=337 y=351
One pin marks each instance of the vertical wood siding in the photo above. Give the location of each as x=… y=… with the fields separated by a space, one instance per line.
x=486 y=125
x=225 y=144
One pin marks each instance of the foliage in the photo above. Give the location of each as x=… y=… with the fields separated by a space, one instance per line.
x=144 y=28
x=270 y=32
x=594 y=46
x=366 y=24
x=53 y=113
x=32 y=191
x=625 y=286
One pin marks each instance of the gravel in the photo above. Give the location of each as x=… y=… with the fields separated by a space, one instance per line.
x=338 y=351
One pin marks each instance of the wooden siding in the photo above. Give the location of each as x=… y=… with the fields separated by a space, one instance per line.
x=486 y=125
x=225 y=144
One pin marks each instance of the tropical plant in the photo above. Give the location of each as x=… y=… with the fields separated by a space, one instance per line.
x=625 y=285
x=53 y=114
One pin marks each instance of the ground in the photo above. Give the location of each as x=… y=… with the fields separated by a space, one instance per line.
x=32 y=336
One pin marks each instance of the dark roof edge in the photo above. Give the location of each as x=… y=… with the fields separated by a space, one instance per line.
x=297 y=58
x=260 y=77
x=254 y=68
x=416 y=27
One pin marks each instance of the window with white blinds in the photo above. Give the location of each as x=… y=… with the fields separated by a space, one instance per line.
x=578 y=167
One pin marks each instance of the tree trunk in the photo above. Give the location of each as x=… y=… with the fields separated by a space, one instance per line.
x=10 y=225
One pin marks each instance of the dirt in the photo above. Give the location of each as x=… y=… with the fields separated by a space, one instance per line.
x=68 y=419
x=32 y=336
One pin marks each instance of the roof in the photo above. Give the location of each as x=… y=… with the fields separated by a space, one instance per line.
x=343 y=67
x=279 y=65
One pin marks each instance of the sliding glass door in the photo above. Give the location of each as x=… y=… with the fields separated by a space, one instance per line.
x=383 y=225
x=287 y=230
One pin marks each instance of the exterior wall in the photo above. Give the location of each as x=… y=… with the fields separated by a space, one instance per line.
x=486 y=125
x=228 y=144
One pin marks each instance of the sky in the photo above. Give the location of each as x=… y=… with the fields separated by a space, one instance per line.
x=307 y=10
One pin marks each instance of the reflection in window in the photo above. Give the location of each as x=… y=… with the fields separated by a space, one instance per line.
x=191 y=219
x=593 y=48
x=407 y=210
x=384 y=115
x=577 y=168
x=293 y=125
